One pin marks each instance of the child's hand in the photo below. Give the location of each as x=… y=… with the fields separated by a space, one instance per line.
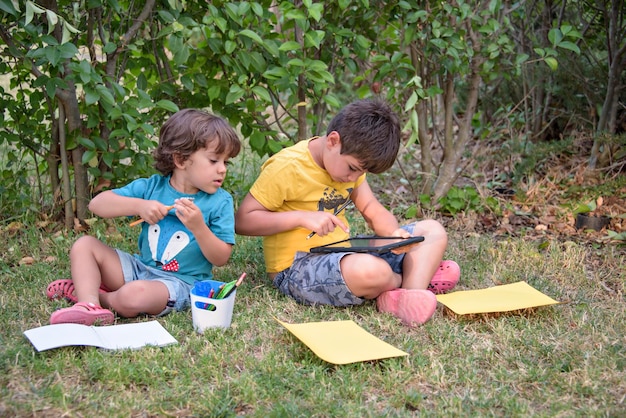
x=402 y=233
x=189 y=213
x=323 y=223
x=152 y=211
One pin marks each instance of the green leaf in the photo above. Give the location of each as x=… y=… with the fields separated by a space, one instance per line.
x=53 y=19
x=234 y=94
x=274 y=146
x=252 y=35
x=521 y=58
x=343 y=4
x=332 y=100
x=167 y=105
x=109 y=47
x=53 y=55
x=313 y=39
x=257 y=9
x=214 y=92
x=555 y=36
x=411 y=102
x=87 y=143
x=411 y=212
x=31 y=9
x=363 y=42
x=316 y=10
x=296 y=62
x=229 y=46
x=89 y=156
x=105 y=95
x=569 y=46
x=289 y=46
x=262 y=93
x=552 y=63
x=257 y=141
x=182 y=55
x=585 y=207
x=8 y=7
x=91 y=96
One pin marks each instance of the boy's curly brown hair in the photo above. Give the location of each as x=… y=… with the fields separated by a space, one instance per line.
x=189 y=130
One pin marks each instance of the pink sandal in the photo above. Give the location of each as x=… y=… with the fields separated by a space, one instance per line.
x=445 y=278
x=413 y=306
x=64 y=289
x=83 y=313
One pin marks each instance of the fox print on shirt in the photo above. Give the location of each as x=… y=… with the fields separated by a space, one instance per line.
x=165 y=243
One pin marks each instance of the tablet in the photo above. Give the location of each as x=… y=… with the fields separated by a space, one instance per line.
x=369 y=244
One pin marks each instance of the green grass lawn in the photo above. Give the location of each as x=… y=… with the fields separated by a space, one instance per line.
x=563 y=360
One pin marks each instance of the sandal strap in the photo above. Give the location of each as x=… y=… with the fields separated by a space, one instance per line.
x=89 y=306
x=62 y=288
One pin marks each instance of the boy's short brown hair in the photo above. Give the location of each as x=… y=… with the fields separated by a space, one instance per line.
x=189 y=130
x=370 y=131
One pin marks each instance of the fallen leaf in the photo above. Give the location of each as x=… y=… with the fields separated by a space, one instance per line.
x=27 y=261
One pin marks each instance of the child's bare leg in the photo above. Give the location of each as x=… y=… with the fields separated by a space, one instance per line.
x=421 y=263
x=93 y=264
x=368 y=276
x=137 y=297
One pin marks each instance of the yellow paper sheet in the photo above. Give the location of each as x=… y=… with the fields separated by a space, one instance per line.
x=341 y=342
x=505 y=298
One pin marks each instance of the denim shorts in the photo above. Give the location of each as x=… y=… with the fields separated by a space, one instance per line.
x=316 y=279
x=179 y=291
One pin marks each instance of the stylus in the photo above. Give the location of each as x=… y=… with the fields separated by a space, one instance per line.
x=336 y=212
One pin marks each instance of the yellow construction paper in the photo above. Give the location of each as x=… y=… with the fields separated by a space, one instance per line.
x=341 y=342
x=505 y=298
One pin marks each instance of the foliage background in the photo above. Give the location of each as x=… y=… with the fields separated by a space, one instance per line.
x=87 y=85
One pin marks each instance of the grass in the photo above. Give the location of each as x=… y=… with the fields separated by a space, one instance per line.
x=565 y=360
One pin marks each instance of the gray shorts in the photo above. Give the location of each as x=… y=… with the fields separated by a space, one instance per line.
x=316 y=279
x=133 y=269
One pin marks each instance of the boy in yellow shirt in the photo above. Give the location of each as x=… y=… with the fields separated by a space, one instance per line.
x=298 y=191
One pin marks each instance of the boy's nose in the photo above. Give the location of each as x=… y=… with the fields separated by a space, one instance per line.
x=355 y=176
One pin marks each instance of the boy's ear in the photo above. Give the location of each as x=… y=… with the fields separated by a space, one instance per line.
x=179 y=161
x=333 y=139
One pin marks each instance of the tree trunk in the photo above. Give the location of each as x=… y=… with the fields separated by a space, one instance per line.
x=616 y=56
x=451 y=167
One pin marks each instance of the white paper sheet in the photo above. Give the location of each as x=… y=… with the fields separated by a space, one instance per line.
x=112 y=337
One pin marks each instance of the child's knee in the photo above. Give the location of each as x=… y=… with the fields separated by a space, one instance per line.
x=369 y=270
x=430 y=228
x=83 y=244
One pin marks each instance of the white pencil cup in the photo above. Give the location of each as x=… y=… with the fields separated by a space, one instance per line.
x=208 y=312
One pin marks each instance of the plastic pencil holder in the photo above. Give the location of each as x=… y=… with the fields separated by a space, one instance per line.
x=208 y=312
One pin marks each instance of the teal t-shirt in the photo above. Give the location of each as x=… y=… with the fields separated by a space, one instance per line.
x=169 y=245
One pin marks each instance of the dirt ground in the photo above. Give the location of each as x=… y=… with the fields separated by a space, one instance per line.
x=542 y=204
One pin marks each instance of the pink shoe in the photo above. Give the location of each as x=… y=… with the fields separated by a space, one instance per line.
x=83 y=313
x=64 y=289
x=412 y=306
x=445 y=278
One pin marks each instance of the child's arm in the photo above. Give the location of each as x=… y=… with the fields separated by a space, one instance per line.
x=109 y=204
x=254 y=219
x=376 y=215
x=213 y=248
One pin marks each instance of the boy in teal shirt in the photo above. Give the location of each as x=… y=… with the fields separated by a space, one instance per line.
x=187 y=228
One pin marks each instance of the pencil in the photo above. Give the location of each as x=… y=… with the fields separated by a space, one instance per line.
x=230 y=287
x=140 y=220
x=240 y=280
x=336 y=212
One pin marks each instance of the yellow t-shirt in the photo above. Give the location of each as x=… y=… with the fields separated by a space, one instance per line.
x=291 y=180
